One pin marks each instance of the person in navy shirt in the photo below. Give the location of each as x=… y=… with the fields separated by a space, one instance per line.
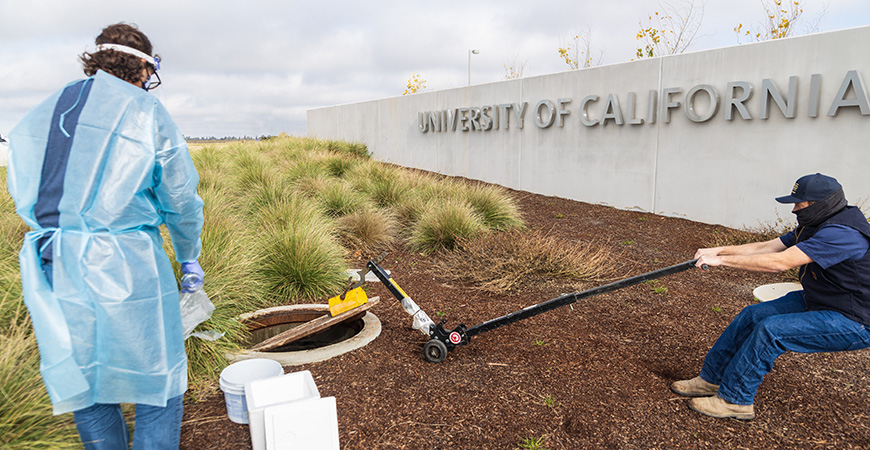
x=831 y=313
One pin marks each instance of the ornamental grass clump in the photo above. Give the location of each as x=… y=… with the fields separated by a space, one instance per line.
x=367 y=230
x=271 y=191
x=500 y=262
x=381 y=183
x=26 y=420
x=339 y=199
x=498 y=210
x=386 y=192
x=211 y=166
x=282 y=151
x=294 y=211
x=12 y=231
x=208 y=157
x=300 y=263
x=442 y=188
x=338 y=166
x=250 y=169
x=409 y=208
x=299 y=256
x=349 y=148
x=301 y=171
x=443 y=223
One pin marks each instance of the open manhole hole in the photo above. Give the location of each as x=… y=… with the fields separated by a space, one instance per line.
x=334 y=334
x=323 y=336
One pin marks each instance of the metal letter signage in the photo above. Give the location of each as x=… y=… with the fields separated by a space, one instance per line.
x=699 y=104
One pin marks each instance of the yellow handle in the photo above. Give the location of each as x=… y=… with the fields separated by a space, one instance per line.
x=398 y=288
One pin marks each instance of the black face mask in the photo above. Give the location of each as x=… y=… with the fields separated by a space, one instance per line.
x=821 y=210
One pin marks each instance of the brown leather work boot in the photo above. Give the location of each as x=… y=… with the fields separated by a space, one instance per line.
x=717 y=407
x=696 y=387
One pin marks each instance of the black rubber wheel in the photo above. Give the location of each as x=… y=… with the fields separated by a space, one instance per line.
x=435 y=351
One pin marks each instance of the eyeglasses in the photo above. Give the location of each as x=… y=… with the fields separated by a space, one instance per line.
x=149 y=84
x=155 y=66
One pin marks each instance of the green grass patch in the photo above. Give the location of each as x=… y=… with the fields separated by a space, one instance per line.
x=532 y=443
x=12 y=231
x=300 y=263
x=495 y=206
x=442 y=224
x=250 y=170
x=338 y=199
x=26 y=420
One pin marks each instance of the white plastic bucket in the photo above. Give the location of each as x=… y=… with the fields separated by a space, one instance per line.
x=234 y=377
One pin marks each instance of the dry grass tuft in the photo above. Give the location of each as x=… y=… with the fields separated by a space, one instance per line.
x=367 y=230
x=499 y=262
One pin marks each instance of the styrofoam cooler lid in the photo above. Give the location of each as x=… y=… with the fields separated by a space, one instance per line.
x=285 y=388
x=310 y=424
x=267 y=392
x=774 y=291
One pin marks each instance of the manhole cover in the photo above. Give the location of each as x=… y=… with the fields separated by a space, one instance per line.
x=350 y=334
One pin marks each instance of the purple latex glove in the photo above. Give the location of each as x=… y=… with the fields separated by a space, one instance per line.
x=192 y=276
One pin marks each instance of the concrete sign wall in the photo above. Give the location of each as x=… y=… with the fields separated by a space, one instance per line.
x=710 y=136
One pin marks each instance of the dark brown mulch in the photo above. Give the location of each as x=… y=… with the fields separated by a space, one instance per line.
x=594 y=376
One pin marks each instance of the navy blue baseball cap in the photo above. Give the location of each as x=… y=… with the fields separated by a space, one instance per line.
x=811 y=188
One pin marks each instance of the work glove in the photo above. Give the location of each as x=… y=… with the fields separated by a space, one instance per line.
x=192 y=276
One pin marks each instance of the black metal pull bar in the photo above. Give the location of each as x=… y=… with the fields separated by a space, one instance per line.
x=571 y=298
x=386 y=279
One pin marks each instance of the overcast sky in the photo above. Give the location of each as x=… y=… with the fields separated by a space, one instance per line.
x=253 y=67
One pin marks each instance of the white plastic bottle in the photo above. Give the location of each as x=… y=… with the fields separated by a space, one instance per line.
x=196 y=307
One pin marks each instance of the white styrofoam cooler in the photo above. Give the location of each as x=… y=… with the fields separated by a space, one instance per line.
x=307 y=424
x=263 y=394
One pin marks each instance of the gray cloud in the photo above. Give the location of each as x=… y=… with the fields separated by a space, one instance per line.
x=252 y=68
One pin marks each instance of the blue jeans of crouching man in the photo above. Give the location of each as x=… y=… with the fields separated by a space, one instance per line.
x=102 y=426
x=745 y=351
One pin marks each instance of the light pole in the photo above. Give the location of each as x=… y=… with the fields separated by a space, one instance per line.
x=469 y=63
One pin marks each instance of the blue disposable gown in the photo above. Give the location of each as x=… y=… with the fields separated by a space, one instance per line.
x=94 y=170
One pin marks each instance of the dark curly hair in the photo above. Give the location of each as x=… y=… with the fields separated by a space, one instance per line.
x=126 y=67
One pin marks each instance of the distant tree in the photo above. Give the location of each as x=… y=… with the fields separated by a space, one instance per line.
x=514 y=69
x=415 y=83
x=579 y=53
x=671 y=31
x=781 y=20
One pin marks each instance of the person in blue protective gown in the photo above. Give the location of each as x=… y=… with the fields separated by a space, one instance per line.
x=95 y=170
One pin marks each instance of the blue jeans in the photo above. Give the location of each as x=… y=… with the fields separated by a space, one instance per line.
x=102 y=426
x=745 y=351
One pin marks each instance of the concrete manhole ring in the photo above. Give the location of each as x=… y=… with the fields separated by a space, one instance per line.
x=371 y=328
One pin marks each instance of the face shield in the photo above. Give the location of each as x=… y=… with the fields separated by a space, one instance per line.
x=153 y=61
